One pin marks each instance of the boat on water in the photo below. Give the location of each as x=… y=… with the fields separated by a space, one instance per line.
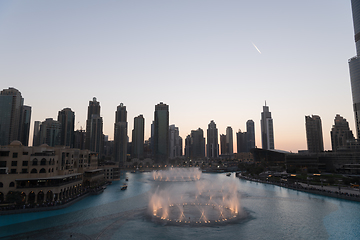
x=126 y=179
x=228 y=174
x=124 y=187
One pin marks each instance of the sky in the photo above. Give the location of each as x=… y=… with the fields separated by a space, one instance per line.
x=207 y=59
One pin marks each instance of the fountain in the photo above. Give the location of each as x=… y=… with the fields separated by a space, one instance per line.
x=198 y=203
x=177 y=174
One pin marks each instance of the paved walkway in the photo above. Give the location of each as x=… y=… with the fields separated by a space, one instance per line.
x=344 y=189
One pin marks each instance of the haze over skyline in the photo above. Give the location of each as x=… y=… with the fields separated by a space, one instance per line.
x=207 y=60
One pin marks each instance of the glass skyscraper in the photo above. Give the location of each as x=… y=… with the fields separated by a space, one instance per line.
x=354 y=65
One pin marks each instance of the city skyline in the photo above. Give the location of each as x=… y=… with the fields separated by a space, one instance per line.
x=204 y=66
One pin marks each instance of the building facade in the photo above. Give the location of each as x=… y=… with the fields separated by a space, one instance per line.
x=175 y=142
x=161 y=133
x=229 y=141
x=212 y=146
x=267 y=129
x=250 y=134
x=67 y=119
x=354 y=65
x=138 y=137
x=241 y=140
x=94 y=128
x=120 y=135
x=50 y=132
x=314 y=136
x=340 y=133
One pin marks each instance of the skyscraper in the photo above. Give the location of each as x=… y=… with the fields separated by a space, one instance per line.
x=229 y=141
x=267 y=129
x=241 y=140
x=13 y=125
x=195 y=144
x=340 y=133
x=36 y=136
x=67 y=119
x=250 y=135
x=138 y=137
x=212 y=146
x=354 y=65
x=314 y=134
x=175 y=142
x=50 y=132
x=94 y=128
x=223 y=144
x=161 y=133
x=120 y=135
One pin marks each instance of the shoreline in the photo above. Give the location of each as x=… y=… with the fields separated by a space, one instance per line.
x=311 y=189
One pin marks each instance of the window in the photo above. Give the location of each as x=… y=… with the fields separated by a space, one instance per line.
x=35 y=162
x=15 y=155
x=12 y=184
x=14 y=163
x=2 y=171
x=34 y=170
x=1 y=185
x=42 y=170
x=25 y=153
x=2 y=163
x=4 y=153
x=24 y=170
x=13 y=171
x=43 y=162
x=25 y=163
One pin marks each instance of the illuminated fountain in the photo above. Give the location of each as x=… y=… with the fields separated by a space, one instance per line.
x=177 y=175
x=201 y=204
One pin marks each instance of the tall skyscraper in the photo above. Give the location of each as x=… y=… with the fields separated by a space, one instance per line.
x=67 y=119
x=195 y=144
x=229 y=141
x=223 y=144
x=212 y=146
x=13 y=125
x=241 y=138
x=340 y=133
x=354 y=65
x=161 y=133
x=50 y=132
x=314 y=134
x=94 y=128
x=250 y=135
x=175 y=142
x=267 y=129
x=120 y=135
x=36 y=136
x=138 y=137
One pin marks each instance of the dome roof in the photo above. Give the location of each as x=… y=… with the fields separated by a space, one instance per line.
x=16 y=143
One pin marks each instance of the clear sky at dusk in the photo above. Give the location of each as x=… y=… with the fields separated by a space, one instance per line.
x=208 y=60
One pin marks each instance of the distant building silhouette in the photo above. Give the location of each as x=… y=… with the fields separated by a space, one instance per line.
x=138 y=137
x=120 y=135
x=94 y=128
x=161 y=133
x=340 y=133
x=223 y=144
x=250 y=135
x=36 y=134
x=195 y=144
x=229 y=141
x=241 y=140
x=267 y=129
x=354 y=65
x=314 y=134
x=50 y=132
x=175 y=142
x=212 y=146
x=67 y=119
x=79 y=139
x=14 y=117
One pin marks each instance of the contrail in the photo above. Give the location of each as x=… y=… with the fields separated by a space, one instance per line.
x=256 y=47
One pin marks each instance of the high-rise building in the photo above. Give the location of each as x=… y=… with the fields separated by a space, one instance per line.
x=79 y=139
x=161 y=133
x=175 y=142
x=241 y=138
x=36 y=136
x=340 y=133
x=314 y=134
x=67 y=119
x=50 y=132
x=250 y=135
x=229 y=141
x=25 y=125
x=223 y=144
x=212 y=146
x=267 y=129
x=13 y=125
x=195 y=144
x=94 y=128
x=120 y=135
x=138 y=137
x=354 y=65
